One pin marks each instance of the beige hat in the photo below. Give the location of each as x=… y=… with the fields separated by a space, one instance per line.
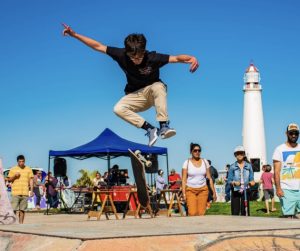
x=292 y=127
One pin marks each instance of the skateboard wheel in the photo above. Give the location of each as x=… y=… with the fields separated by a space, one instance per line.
x=148 y=163
x=137 y=152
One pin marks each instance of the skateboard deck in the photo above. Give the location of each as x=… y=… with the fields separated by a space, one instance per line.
x=140 y=180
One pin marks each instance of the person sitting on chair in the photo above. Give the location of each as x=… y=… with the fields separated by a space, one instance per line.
x=174 y=180
x=97 y=181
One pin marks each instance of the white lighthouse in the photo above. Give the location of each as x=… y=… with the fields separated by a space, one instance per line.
x=253 y=124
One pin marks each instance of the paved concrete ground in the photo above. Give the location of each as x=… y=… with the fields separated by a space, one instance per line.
x=77 y=226
x=74 y=232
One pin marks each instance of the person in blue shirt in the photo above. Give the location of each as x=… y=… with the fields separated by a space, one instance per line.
x=240 y=178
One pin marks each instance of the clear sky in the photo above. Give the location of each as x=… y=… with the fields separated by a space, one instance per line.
x=57 y=93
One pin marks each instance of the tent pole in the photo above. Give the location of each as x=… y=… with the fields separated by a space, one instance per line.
x=47 y=190
x=168 y=169
x=108 y=162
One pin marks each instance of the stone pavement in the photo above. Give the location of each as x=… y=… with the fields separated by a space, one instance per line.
x=74 y=232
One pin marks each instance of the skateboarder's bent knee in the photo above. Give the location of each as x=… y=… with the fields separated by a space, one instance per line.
x=119 y=109
x=124 y=112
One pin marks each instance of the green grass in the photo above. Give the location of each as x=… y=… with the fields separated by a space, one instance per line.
x=257 y=208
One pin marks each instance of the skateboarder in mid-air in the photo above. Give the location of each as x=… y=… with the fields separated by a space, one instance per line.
x=144 y=88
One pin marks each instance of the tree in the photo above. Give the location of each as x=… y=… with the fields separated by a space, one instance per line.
x=86 y=179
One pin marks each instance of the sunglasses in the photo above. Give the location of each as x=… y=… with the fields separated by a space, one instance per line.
x=293 y=133
x=197 y=150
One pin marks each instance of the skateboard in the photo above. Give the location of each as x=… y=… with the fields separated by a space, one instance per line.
x=138 y=163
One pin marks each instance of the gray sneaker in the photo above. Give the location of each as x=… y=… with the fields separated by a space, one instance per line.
x=153 y=135
x=166 y=132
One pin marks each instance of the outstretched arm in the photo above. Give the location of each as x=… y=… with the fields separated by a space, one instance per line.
x=86 y=40
x=185 y=59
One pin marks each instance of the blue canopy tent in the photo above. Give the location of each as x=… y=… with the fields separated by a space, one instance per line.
x=107 y=145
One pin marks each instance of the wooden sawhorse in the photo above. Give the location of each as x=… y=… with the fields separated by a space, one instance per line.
x=138 y=206
x=147 y=209
x=132 y=196
x=174 y=200
x=104 y=208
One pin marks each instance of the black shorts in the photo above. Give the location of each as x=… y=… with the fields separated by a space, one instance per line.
x=268 y=193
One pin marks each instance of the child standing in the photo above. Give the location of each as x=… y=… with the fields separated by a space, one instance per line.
x=267 y=181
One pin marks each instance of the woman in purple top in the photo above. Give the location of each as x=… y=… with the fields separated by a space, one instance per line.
x=267 y=181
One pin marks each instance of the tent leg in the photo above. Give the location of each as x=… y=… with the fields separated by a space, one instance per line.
x=108 y=163
x=168 y=169
x=47 y=190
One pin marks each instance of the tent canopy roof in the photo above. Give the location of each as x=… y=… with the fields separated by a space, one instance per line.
x=107 y=145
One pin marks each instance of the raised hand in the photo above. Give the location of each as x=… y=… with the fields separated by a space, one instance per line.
x=67 y=30
x=193 y=64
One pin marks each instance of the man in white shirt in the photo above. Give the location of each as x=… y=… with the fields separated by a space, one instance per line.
x=286 y=161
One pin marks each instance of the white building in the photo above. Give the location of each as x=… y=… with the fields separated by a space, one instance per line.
x=253 y=123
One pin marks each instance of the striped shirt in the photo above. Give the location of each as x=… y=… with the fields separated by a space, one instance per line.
x=21 y=186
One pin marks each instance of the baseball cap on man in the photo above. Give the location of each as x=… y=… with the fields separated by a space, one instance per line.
x=172 y=170
x=292 y=127
x=239 y=149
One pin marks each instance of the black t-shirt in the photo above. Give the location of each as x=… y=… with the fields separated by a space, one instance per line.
x=139 y=76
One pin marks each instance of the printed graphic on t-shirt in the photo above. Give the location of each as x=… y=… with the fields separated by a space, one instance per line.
x=291 y=165
x=146 y=70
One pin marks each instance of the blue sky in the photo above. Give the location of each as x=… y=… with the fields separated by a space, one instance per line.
x=57 y=94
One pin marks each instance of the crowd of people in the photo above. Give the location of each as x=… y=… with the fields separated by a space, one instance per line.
x=196 y=185
x=25 y=183
x=198 y=179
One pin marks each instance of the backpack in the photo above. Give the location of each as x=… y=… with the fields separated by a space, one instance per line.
x=214 y=173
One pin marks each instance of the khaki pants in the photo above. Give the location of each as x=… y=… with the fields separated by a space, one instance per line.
x=141 y=100
x=196 y=199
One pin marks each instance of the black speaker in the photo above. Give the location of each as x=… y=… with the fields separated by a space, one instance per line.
x=154 y=160
x=255 y=165
x=60 y=167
